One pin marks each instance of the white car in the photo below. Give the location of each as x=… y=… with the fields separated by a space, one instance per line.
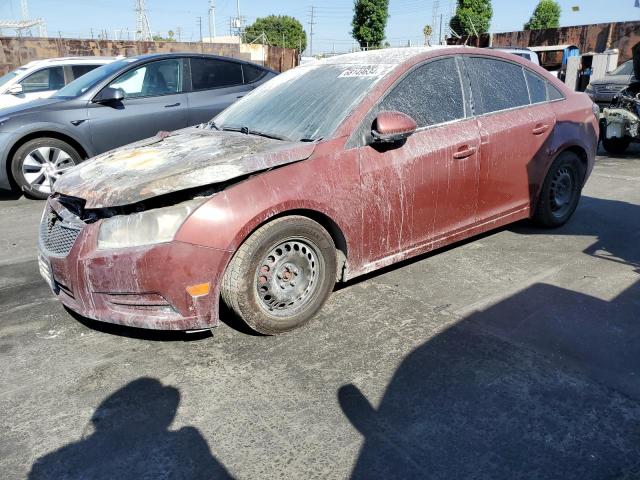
x=42 y=78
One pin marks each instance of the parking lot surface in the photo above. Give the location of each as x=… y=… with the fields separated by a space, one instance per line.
x=514 y=355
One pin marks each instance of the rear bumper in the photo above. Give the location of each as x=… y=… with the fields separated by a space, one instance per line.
x=143 y=287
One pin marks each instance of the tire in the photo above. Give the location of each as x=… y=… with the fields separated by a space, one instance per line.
x=281 y=276
x=51 y=156
x=561 y=191
x=616 y=146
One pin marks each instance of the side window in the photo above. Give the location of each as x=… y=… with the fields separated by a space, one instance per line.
x=152 y=79
x=80 y=70
x=537 y=87
x=207 y=73
x=554 y=93
x=430 y=94
x=496 y=84
x=51 y=78
x=252 y=73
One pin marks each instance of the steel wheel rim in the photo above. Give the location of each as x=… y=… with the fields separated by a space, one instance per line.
x=43 y=166
x=562 y=187
x=288 y=277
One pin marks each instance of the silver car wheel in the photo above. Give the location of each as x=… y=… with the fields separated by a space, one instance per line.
x=43 y=166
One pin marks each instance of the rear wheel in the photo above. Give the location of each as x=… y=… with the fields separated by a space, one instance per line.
x=281 y=275
x=561 y=191
x=616 y=146
x=38 y=163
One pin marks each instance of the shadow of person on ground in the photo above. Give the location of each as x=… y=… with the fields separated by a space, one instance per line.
x=131 y=440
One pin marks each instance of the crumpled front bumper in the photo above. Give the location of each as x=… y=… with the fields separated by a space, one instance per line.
x=143 y=287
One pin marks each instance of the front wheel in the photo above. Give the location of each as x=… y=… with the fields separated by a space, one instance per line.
x=561 y=191
x=38 y=163
x=281 y=275
x=616 y=146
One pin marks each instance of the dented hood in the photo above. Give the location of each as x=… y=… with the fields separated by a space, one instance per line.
x=189 y=158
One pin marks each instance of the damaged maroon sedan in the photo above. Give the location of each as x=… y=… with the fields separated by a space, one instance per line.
x=323 y=174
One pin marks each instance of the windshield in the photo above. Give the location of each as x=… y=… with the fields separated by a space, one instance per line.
x=10 y=76
x=625 y=69
x=89 y=80
x=306 y=103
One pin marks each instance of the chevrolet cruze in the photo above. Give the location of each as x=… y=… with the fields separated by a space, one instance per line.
x=322 y=174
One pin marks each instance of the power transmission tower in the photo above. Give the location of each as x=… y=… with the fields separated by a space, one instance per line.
x=25 y=24
x=311 y=24
x=143 y=30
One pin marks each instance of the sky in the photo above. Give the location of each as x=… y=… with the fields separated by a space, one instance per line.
x=78 y=18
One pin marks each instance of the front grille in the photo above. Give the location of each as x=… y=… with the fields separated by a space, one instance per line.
x=608 y=89
x=57 y=236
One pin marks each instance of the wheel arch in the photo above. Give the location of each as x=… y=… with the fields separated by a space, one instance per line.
x=328 y=223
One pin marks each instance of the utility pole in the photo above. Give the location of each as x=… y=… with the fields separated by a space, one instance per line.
x=200 y=27
x=434 y=21
x=311 y=24
x=440 y=33
x=212 y=19
x=179 y=33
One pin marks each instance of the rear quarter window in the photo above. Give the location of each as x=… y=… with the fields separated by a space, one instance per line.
x=554 y=93
x=253 y=73
x=496 y=84
x=537 y=87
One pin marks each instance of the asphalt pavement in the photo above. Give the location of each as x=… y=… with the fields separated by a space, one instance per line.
x=514 y=355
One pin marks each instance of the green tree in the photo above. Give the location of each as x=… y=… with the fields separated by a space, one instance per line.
x=546 y=15
x=369 y=22
x=472 y=17
x=278 y=28
x=160 y=38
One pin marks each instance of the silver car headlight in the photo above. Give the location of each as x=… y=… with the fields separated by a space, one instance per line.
x=589 y=90
x=155 y=226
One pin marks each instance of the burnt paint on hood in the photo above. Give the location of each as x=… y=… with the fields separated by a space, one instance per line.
x=189 y=158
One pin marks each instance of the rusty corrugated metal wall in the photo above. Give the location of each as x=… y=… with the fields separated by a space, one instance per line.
x=589 y=38
x=17 y=51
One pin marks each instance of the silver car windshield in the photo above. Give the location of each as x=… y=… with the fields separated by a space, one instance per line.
x=306 y=103
x=625 y=69
x=10 y=76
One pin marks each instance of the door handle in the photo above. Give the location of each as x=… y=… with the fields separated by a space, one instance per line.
x=172 y=105
x=240 y=96
x=464 y=152
x=540 y=129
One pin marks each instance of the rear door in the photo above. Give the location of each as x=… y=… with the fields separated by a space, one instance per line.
x=215 y=84
x=427 y=188
x=514 y=128
x=154 y=101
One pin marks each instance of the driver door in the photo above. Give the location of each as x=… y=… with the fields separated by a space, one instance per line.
x=425 y=189
x=154 y=101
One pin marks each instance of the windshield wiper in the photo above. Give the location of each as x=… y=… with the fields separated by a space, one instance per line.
x=248 y=131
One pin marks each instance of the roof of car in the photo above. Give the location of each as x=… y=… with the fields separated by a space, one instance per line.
x=87 y=59
x=386 y=56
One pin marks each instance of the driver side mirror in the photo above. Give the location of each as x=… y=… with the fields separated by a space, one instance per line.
x=110 y=95
x=393 y=127
x=15 y=89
